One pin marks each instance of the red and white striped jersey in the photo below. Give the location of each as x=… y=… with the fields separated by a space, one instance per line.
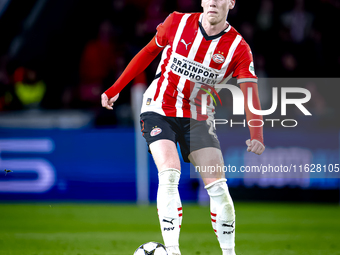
x=193 y=62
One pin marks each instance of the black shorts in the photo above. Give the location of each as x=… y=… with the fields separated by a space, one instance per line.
x=189 y=133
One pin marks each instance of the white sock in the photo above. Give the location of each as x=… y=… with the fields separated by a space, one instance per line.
x=222 y=215
x=213 y=215
x=228 y=251
x=169 y=208
x=173 y=250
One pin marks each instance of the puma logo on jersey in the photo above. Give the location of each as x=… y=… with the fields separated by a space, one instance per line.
x=186 y=44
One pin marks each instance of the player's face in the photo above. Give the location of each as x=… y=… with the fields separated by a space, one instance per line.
x=216 y=11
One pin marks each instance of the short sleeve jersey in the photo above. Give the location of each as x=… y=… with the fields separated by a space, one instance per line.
x=193 y=63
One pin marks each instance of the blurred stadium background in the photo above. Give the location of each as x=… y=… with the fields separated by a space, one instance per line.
x=57 y=57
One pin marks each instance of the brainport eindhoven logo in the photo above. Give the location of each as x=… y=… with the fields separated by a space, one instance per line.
x=239 y=105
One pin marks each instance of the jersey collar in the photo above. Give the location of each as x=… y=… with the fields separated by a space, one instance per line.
x=207 y=37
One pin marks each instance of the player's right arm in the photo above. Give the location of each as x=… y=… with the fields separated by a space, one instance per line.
x=138 y=64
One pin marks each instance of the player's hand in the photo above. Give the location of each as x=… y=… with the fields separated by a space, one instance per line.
x=108 y=103
x=255 y=146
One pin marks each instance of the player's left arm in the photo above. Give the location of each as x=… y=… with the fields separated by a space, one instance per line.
x=255 y=143
x=246 y=78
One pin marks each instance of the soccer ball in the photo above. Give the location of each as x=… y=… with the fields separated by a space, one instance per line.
x=151 y=248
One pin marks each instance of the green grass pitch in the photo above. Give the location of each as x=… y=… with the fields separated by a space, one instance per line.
x=103 y=229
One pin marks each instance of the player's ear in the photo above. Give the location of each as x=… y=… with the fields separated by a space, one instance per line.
x=232 y=4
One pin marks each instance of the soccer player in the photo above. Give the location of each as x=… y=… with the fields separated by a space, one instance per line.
x=200 y=50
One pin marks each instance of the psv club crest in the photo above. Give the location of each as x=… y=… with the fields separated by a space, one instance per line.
x=155 y=131
x=218 y=58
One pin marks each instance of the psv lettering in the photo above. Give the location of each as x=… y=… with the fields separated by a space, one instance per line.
x=169 y=229
x=228 y=232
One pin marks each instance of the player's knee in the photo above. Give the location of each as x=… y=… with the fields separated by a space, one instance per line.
x=207 y=157
x=163 y=166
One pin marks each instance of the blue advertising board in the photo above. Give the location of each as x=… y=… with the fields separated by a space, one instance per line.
x=99 y=164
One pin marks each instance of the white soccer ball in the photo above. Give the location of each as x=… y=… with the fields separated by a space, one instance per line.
x=151 y=248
